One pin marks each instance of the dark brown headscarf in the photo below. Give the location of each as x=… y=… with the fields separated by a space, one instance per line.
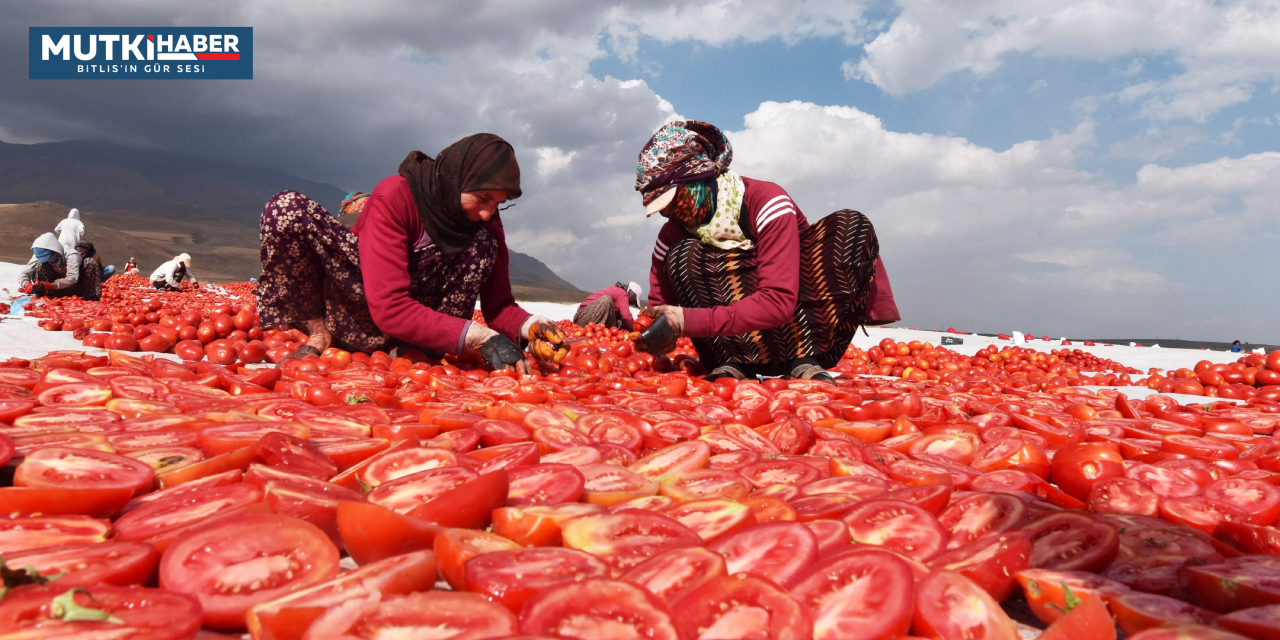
x=474 y=163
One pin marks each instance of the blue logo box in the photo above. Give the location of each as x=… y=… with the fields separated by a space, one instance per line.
x=140 y=53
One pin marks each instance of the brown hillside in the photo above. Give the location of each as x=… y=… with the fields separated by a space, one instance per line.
x=219 y=252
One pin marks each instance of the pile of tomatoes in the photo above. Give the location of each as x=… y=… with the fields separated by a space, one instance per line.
x=1254 y=375
x=357 y=496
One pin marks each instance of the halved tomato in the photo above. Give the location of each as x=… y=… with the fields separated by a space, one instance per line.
x=73 y=469
x=990 y=561
x=864 y=593
x=439 y=614
x=371 y=533
x=289 y=617
x=673 y=574
x=20 y=533
x=86 y=565
x=628 y=538
x=949 y=605
x=711 y=519
x=598 y=609
x=607 y=485
x=897 y=525
x=544 y=484
x=779 y=551
x=1071 y=541
x=454 y=547
x=510 y=577
x=145 y=614
x=741 y=607
x=229 y=572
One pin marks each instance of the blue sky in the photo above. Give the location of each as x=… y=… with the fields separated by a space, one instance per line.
x=1067 y=167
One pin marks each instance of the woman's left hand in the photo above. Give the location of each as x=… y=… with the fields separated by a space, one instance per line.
x=673 y=314
x=541 y=328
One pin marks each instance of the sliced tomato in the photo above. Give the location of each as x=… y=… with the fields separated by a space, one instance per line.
x=1259 y=499
x=217 y=480
x=981 y=515
x=628 y=538
x=741 y=607
x=833 y=536
x=897 y=525
x=711 y=519
x=394 y=464
x=700 y=484
x=289 y=617
x=991 y=561
x=949 y=605
x=598 y=609
x=160 y=518
x=607 y=485
x=779 y=551
x=1069 y=541
x=429 y=614
x=229 y=572
x=20 y=533
x=291 y=454
x=72 y=469
x=1136 y=612
x=544 y=484
x=454 y=547
x=1259 y=623
x=539 y=525
x=237 y=460
x=143 y=614
x=406 y=493
x=683 y=456
x=86 y=565
x=673 y=574
x=510 y=577
x=1046 y=590
x=776 y=471
x=93 y=502
x=864 y=593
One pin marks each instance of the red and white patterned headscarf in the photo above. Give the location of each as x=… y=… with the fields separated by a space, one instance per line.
x=681 y=151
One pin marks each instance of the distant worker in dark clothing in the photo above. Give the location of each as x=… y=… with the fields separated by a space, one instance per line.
x=52 y=271
x=610 y=307
x=169 y=276
x=87 y=252
x=91 y=277
x=1236 y=347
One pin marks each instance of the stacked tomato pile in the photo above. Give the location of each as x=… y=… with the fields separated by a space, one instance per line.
x=1019 y=366
x=152 y=498
x=1254 y=375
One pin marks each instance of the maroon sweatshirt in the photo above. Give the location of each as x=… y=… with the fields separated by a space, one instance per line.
x=775 y=222
x=620 y=301
x=389 y=229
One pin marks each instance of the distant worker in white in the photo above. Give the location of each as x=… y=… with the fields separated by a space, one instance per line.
x=169 y=276
x=70 y=231
x=52 y=271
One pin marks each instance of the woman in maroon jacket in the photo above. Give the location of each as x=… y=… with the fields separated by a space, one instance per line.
x=427 y=244
x=739 y=269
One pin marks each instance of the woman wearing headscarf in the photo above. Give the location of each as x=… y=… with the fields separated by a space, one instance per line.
x=92 y=275
x=52 y=271
x=70 y=230
x=740 y=270
x=610 y=307
x=427 y=244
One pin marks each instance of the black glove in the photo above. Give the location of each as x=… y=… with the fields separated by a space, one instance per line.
x=500 y=352
x=40 y=288
x=658 y=339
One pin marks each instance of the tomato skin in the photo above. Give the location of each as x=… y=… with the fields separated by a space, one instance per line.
x=1136 y=612
x=900 y=526
x=1076 y=468
x=1071 y=541
x=866 y=593
x=94 y=502
x=371 y=533
x=627 y=538
x=417 y=615
x=942 y=595
x=454 y=547
x=21 y=533
x=197 y=563
x=583 y=609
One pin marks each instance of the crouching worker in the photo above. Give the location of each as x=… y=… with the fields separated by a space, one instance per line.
x=52 y=271
x=427 y=243
x=131 y=269
x=169 y=276
x=740 y=270
x=610 y=307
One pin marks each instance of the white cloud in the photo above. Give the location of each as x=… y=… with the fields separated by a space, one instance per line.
x=1156 y=143
x=1225 y=48
x=553 y=160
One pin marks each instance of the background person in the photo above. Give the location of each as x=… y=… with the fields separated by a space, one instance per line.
x=427 y=244
x=739 y=269
x=131 y=268
x=610 y=306
x=169 y=275
x=52 y=271
x=92 y=275
x=70 y=230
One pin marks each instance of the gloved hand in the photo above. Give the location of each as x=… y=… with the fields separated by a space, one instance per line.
x=673 y=314
x=501 y=353
x=26 y=288
x=540 y=328
x=659 y=338
x=40 y=288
